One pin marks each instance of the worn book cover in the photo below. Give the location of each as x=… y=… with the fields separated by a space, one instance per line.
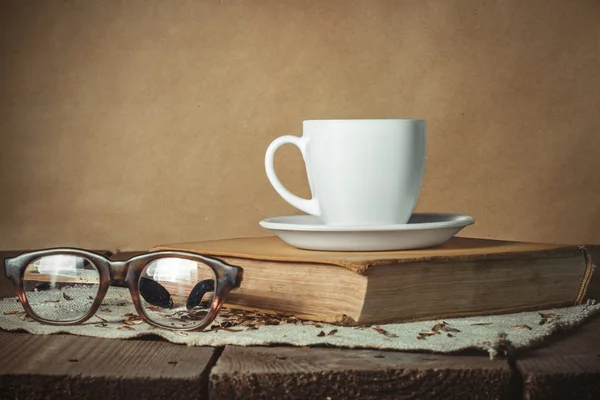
x=464 y=276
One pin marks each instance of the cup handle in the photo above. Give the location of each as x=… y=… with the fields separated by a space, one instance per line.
x=308 y=206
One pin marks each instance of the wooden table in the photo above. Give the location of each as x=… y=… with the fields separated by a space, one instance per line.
x=74 y=367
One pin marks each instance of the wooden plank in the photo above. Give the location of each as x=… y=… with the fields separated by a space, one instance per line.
x=291 y=372
x=566 y=367
x=72 y=367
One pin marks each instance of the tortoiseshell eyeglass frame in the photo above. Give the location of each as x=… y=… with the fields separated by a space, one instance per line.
x=228 y=277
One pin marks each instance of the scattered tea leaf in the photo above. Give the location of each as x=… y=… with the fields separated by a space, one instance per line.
x=548 y=315
x=451 y=330
x=172 y=362
x=73 y=360
x=543 y=321
x=522 y=327
x=66 y=296
x=219 y=328
x=481 y=323
x=321 y=333
x=100 y=318
x=333 y=332
x=12 y=312
x=382 y=331
x=125 y=327
x=437 y=329
x=291 y=320
x=105 y=309
x=232 y=330
x=131 y=322
x=50 y=301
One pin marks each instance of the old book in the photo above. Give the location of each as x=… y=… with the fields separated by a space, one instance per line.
x=463 y=277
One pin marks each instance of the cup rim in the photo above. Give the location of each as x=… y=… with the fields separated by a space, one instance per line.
x=364 y=120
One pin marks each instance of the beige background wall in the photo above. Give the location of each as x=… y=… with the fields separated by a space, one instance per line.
x=125 y=124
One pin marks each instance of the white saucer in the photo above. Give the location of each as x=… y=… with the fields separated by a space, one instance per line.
x=421 y=231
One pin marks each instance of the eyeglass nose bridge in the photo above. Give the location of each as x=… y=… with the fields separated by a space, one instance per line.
x=118 y=270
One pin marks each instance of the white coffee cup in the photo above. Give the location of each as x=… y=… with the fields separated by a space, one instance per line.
x=360 y=171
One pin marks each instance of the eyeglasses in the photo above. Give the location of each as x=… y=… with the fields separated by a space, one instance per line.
x=170 y=289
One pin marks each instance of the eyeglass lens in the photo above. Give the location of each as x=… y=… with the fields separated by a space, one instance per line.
x=61 y=287
x=177 y=292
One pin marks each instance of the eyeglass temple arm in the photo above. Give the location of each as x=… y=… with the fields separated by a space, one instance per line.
x=198 y=292
x=156 y=294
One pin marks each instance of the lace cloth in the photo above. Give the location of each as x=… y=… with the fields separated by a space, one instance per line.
x=117 y=319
